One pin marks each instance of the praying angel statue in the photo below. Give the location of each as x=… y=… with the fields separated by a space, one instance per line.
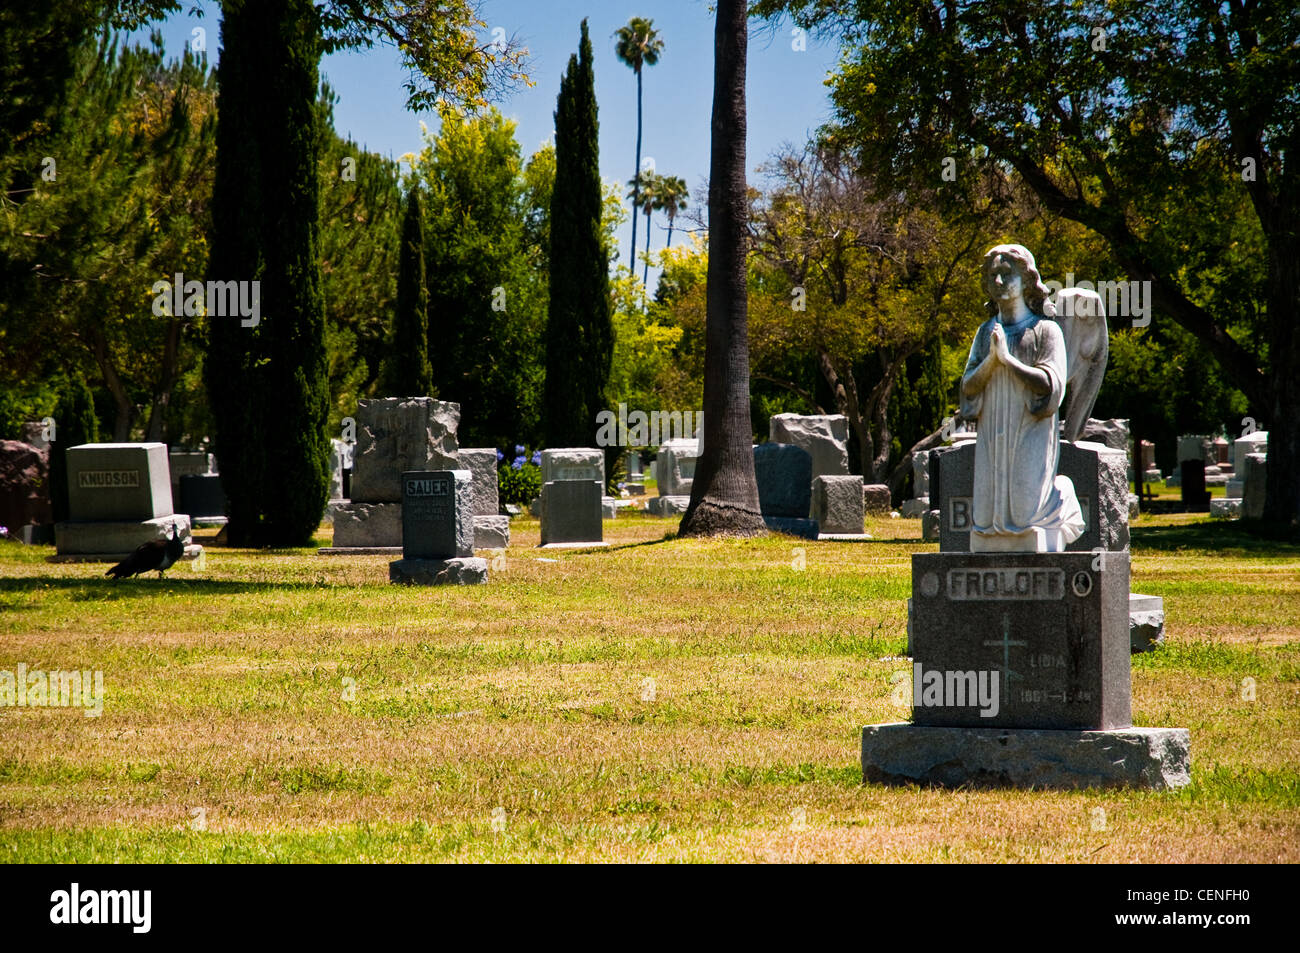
x=1014 y=384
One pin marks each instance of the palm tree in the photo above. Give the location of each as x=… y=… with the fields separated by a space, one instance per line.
x=638 y=45
x=645 y=190
x=724 y=493
x=671 y=193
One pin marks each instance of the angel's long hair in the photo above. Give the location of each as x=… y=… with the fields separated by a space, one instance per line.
x=1035 y=292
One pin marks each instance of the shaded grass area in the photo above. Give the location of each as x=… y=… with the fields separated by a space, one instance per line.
x=662 y=699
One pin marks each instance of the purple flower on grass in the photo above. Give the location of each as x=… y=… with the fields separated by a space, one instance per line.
x=537 y=458
x=500 y=456
x=518 y=449
x=517 y=463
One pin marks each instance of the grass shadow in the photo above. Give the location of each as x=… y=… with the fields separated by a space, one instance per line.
x=1238 y=536
x=152 y=586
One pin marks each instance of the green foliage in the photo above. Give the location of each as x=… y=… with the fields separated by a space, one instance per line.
x=487 y=296
x=75 y=424
x=360 y=219
x=519 y=481
x=1171 y=138
x=579 y=331
x=409 y=370
x=121 y=201
x=267 y=383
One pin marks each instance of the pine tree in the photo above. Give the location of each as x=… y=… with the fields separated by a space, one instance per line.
x=267 y=383
x=579 y=332
x=74 y=424
x=409 y=372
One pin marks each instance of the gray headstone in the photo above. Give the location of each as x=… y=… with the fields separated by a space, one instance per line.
x=573 y=463
x=437 y=517
x=837 y=504
x=186 y=463
x=482 y=463
x=118 y=481
x=784 y=475
x=825 y=437
x=1194 y=447
x=1256 y=442
x=400 y=434
x=1052 y=627
x=571 y=512
x=491 y=532
x=1113 y=433
x=1099 y=475
x=675 y=467
x=367 y=525
x=1256 y=477
x=921 y=474
x=876 y=498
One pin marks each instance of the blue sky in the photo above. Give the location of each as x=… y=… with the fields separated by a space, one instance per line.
x=787 y=96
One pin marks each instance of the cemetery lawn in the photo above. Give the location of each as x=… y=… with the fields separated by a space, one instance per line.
x=285 y=706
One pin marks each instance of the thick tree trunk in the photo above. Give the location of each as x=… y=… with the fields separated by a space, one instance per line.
x=1282 y=494
x=724 y=495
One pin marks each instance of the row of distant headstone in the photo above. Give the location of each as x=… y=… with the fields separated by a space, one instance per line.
x=1241 y=468
x=802 y=471
x=414 y=491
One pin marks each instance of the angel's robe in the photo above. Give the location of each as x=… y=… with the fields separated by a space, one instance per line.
x=1017 y=447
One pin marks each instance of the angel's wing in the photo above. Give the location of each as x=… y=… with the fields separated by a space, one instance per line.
x=1087 y=346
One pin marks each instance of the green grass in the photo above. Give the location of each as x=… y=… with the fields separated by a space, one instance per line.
x=662 y=699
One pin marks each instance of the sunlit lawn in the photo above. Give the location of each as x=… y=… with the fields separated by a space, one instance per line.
x=658 y=700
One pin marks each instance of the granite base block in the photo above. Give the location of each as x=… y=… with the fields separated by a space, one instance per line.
x=668 y=505
x=367 y=525
x=902 y=753
x=491 y=532
x=462 y=571
x=930 y=526
x=115 y=537
x=1146 y=622
x=915 y=508
x=1225 y=509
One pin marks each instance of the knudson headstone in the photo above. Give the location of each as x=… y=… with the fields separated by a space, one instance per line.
x=119 y=497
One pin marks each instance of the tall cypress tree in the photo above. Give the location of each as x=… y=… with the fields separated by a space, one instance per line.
x=579 y=331
x=267 y=383
x=409 y=371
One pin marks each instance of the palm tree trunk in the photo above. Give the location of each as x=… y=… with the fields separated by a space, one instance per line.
x=645 y=275
x=724 y=494
x=636 y=177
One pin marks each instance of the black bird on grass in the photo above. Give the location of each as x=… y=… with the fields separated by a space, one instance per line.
x=157 y=554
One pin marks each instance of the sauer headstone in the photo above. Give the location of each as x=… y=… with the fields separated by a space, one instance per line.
x=438 y=530
x=394 y=435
